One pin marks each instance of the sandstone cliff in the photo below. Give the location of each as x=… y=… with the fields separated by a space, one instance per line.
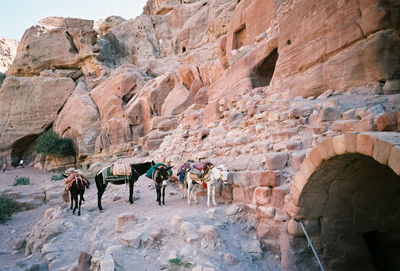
x=270 y=88
x=8 y=50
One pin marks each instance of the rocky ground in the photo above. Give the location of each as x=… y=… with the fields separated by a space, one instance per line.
x=143 y=235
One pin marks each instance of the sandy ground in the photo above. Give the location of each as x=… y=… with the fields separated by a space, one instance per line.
x=22 y=222
x=93 y=232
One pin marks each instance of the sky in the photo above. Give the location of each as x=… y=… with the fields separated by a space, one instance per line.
x=18 y=15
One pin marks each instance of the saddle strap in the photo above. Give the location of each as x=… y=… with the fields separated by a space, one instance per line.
x=195 y=178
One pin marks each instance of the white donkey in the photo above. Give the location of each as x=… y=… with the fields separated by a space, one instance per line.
x=217 y=173
x=211 y=178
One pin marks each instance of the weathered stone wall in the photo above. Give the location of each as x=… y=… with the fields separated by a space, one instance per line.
x=264 y=139
x=260 y=86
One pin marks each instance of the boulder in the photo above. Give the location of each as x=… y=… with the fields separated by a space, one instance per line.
x=177 y=101
x=138 y=114
x=105 y=25
x=111 y=97
x=187 y=74
x=132 y=239
x=157 y=90
x=54 y=42
x=79 y=120
x=125 y=222
x=160 y=7
x=387 y=122
x=276 y=160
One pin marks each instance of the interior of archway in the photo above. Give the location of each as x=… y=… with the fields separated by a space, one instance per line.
x=357 y=203
x=23 y=148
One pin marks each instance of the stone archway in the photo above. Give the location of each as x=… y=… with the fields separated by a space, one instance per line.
x=348 y=191
x=23 y=148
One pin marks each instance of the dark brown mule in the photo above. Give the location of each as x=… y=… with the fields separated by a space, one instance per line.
x=136 y=171
x=76 y=184
x=161 y=176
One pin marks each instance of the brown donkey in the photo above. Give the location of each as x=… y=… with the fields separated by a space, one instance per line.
x=76 y=184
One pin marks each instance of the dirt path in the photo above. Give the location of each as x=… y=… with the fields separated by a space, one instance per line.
x=21 y=223
x=234 y=246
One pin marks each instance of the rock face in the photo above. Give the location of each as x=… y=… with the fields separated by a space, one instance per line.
x=105 y=25
x=273 y=89
x=59 y=43
x=28 y=105
x=8 y=50
x=79 y=119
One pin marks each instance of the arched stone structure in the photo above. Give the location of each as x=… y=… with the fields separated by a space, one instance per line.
x=23 y=148
x=347 y=192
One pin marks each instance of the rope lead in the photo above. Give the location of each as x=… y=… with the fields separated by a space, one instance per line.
x=310 y=243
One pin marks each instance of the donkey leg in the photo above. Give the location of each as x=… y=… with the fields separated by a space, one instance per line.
x=76 y=203
x=158 y=190
x=131 y=184
x=208 y=195
x=183 y=190
x=101 y=187
x=163 y=195
x=194 y=193
x=213 y=195
x=188 y=193
x=72 y=199
x=99 y=195
x=80 y=203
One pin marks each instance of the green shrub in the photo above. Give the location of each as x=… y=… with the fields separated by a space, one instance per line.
x=178 y=262
x=8 y=206
x=51 y=143
x=21 y=181
x=57 y=177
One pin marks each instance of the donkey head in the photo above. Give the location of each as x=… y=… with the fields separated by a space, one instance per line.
x=224 y=172
x=162 y=174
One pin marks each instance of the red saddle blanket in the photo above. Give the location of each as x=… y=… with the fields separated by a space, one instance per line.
x=200 y=166
x=73 y=178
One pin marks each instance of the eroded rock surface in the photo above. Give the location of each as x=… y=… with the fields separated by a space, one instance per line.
x=8 y=50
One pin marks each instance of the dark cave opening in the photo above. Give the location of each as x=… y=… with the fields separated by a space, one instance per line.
x=263 y=73
x=24 y=149
x=239 y=37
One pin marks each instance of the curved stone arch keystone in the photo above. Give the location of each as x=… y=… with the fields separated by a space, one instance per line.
x=384 y=147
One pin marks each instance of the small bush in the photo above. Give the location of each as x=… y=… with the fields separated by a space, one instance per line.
x=178 y=262
x=57 y=177
x=21 y=181
x=8 y=206
x=51 y=143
